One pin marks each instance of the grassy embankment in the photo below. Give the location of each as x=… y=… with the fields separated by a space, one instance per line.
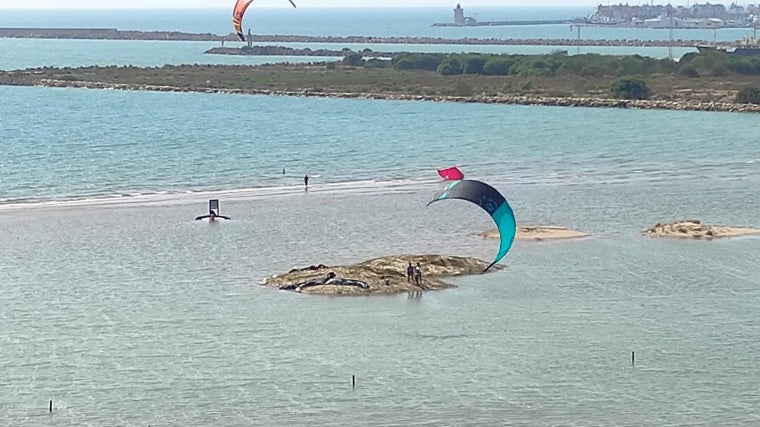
x=696 y=82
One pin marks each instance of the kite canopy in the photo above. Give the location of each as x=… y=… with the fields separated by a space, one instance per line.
x=492 y=202
x=452 y=173
x=237 y=16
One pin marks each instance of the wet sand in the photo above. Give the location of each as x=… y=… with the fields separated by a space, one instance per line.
x=539 y=232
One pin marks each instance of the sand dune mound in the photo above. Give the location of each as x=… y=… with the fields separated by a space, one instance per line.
x=694 y=229
x=385 y=275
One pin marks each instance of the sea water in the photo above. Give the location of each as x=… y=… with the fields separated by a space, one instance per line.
x=398 y=22
x=120 y=309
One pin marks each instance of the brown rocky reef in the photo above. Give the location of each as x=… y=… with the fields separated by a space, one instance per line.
x=379 y=276
x=694 y=229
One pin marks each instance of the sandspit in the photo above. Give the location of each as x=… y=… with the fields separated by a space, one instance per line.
x=539 y=232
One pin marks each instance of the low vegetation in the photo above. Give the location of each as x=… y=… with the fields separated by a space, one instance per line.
x=696 y=77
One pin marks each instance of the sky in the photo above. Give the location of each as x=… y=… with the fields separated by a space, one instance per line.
x=140 y=4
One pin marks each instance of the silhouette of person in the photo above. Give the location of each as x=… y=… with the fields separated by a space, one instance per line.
x=306 y=180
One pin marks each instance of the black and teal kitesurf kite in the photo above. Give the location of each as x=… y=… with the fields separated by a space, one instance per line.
x=492 y=202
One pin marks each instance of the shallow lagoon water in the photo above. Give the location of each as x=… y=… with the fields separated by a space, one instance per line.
x=122 y=310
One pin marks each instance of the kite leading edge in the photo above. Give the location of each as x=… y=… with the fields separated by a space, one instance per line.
x=492 y=202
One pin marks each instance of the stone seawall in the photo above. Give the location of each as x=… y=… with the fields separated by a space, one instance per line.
x=500 y=99
x=115 y=34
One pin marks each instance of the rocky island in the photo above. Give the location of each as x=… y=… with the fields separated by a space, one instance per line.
x=379 y=276
x=694 y=229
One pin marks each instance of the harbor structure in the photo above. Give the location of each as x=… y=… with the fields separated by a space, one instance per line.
x=460 y=20
x=705 y=15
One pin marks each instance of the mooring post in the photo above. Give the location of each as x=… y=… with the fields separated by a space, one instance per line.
x=633 y=358
x=353 y=381
x=50 y=407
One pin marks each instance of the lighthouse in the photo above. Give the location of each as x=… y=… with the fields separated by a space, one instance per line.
x=458 y=15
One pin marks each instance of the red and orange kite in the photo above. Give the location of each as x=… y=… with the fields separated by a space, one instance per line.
x=237 y=16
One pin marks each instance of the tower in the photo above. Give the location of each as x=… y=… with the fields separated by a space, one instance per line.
x=459 y=15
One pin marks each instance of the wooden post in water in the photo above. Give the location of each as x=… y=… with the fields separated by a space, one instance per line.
x=633 y=358
x=353 y=381
x=50 y=407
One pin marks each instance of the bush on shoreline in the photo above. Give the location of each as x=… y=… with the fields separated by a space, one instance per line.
x=630 y=87
x=750 y=95
x=690 y=65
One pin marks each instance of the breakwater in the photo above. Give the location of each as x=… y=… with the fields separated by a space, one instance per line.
x=287 y=51
x=590 y=102
x=115 y=34
x=107 y=34
x=473 y=23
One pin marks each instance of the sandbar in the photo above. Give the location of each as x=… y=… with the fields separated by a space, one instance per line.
x=539 y=232
x=694 y=229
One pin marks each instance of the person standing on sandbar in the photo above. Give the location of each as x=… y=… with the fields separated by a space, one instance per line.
x=306 y=181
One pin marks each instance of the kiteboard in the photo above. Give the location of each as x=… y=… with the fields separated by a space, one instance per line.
x=213 y=212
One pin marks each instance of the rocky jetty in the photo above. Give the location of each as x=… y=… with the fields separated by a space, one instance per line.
x=289 y=51
x=694 y=229
x=116 y=34
x=379 y=276
x=538 y=232
x=107 y=34
x=497 y=99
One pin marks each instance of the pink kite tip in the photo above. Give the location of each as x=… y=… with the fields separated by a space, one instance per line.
x=452 y=173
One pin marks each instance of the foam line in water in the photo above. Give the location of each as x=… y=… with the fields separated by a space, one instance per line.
x=366 y=187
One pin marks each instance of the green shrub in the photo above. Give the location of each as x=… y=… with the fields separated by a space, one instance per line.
x=688 y=57
x=532 y=67
x=497 y=66
x=743 y=66
x=688 y=70
x=473 y=64
x=404 y=64
x=450 y=67
x=376 y=63
x=629 y=87
x=750 y=95
x=665 y=66
x=719 y=69
x=417 y=61
x=632 y=65
x=353 y=59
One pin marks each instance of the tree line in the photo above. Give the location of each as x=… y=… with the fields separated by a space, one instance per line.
x=631 y=70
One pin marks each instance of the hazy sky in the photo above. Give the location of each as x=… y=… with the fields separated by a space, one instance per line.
x=70 y=4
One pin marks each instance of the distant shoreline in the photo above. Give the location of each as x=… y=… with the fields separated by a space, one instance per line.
x=589 y=102
x=115 y=34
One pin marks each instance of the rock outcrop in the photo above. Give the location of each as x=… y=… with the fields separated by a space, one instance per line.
x=694 y=229
x=382 y=276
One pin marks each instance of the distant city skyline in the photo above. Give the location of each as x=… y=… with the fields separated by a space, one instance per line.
x=141 y=4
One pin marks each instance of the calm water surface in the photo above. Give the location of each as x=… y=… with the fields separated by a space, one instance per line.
x=123 y=311
x=406 y=22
